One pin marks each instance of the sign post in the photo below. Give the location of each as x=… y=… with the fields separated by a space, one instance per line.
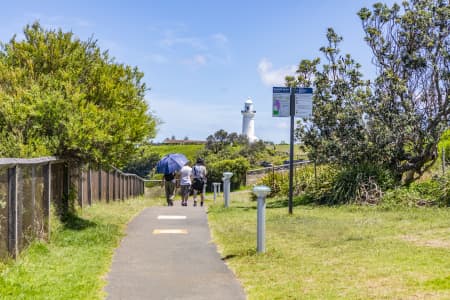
x=291 y=102
x=291 y=151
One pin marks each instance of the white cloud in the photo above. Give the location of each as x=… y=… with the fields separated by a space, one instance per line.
x=177 y=42
x=156 y=58
x=196 y=60
x=273 y=77
x=170 y=41
x=220 y=39
x=193 y=119
x=199 y=59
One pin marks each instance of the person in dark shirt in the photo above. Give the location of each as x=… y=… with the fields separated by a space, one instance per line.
x=199 y=182
x=169 y=185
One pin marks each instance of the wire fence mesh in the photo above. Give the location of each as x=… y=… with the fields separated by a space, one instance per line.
x=28 y=187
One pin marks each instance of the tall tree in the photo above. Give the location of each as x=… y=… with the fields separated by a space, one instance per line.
x=410 y=107
x=336 y=131
x=63 y=96
x=397 y=120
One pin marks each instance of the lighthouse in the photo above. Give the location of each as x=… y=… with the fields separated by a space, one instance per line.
x=248 y=120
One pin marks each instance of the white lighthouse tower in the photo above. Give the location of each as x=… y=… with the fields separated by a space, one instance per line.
x=248 y=120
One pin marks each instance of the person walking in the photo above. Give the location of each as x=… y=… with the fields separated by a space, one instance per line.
x=199 y=180
x=185 y=183
x=169 y=186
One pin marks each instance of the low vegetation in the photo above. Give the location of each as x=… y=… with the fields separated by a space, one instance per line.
x=345 y=252
x=73 y=264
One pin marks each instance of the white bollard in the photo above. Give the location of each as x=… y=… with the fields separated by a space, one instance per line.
x=216 y=186
x=261 y=192
x=226 y=187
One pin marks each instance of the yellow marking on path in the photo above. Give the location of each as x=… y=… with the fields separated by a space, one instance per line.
x=165 y=217
x=170 y=231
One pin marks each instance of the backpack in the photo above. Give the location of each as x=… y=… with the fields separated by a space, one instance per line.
x=199 y=181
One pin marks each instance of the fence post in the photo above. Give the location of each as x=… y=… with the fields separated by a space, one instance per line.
x=127 y=181
x=80 y=186
x=114 y=186
x=33 y=199
x=107 y=186
x=122 y=188
x=100 y=189
x=66 y=181
x=89 y=185
x=12 y=212
x=118 y=186
x=47 y=197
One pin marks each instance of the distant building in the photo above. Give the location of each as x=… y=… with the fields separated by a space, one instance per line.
x=248 y=120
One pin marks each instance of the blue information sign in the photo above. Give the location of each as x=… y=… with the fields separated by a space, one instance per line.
x=281 y=102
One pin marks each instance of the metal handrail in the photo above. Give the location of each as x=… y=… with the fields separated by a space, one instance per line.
x=278 y=167
x=8 y=162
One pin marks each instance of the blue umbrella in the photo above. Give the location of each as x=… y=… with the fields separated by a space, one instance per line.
x=171 y=163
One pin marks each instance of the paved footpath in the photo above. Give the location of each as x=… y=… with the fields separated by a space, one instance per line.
x=168 y=254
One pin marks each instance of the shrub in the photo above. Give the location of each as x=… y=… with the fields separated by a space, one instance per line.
x=315 y=186
x=444 y=190
x=238 y=167
x=435 y=191
x=400 y=196
x=351 y=181
x=444 y=144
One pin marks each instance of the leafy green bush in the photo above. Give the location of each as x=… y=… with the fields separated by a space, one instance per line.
x=238 y=167
x=278 y=183
x=435 y=191
x=444 y=190
x=315 y=186
x=66 y=97
x=444 y=144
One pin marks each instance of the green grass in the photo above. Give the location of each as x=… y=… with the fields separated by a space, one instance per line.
x=285 y=148
x=190 y=151
x=346 y=252
x=73 y=264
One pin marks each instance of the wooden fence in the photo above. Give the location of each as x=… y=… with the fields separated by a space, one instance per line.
x=29 y=187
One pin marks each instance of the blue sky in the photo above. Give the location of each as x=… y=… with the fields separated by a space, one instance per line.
x=203 y=59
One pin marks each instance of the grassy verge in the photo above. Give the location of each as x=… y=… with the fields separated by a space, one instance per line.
x=190 y=151
x=344 y=252
x=73 y=264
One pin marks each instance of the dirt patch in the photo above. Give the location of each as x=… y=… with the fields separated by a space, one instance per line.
x=423 y=241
